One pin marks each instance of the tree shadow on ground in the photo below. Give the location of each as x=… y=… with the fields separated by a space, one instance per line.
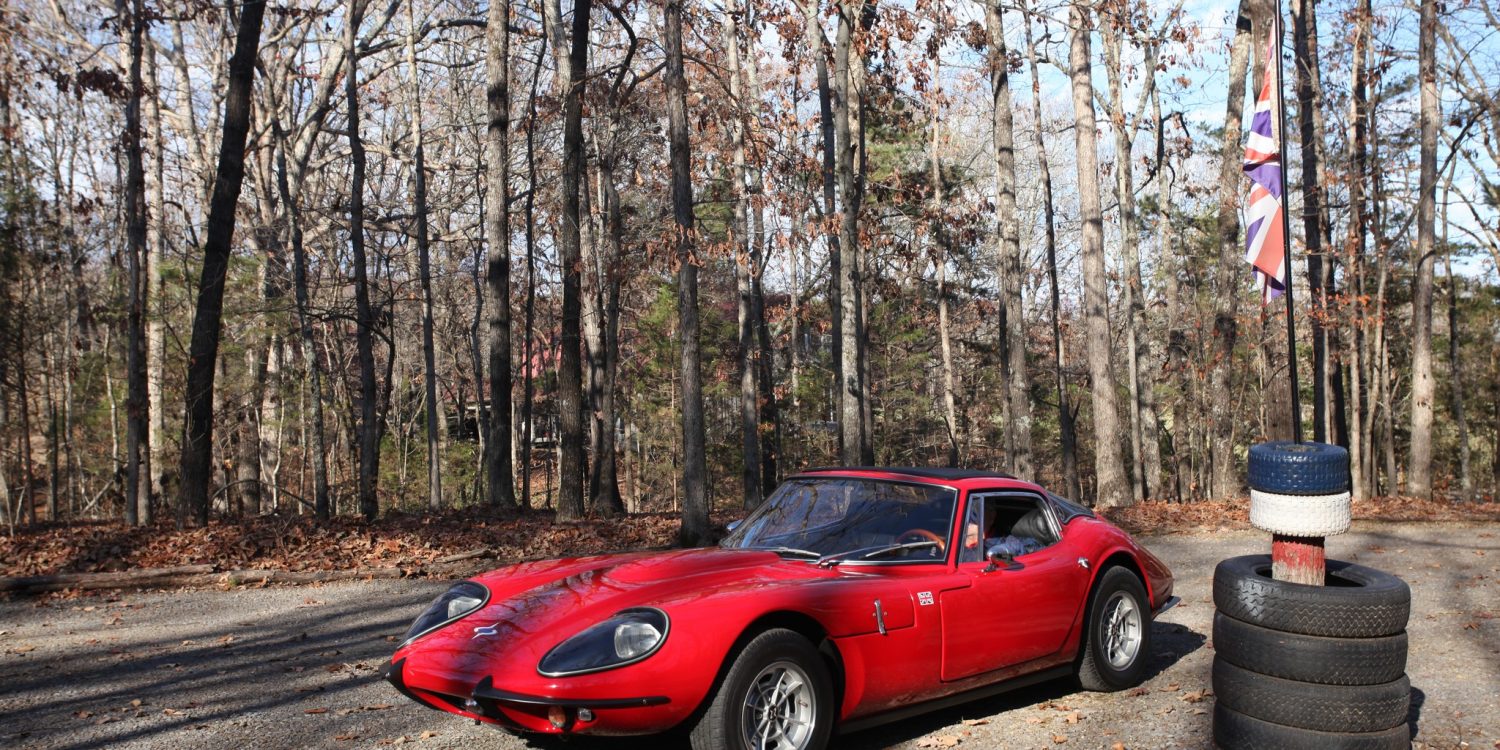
x=1170 y=643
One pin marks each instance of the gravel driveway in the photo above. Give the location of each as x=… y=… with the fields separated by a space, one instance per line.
x=300 y=667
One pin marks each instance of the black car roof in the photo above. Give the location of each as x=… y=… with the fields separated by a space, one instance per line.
x=943 y=473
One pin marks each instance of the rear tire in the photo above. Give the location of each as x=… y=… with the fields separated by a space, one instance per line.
x=776 y=696
x=1116 y=648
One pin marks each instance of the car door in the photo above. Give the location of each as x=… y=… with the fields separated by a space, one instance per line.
x=1002 y=616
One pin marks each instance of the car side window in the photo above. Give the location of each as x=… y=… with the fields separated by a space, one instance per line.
x=974 y=529
x=1012 y=524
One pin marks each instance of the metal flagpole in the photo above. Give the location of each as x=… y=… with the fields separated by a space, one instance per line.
x=1286 y=233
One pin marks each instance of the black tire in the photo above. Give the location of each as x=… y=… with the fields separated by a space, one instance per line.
x=1288 y=468
x=1325 y=708
x=722 y=725
x=1310 y=658
x=1116 y=648
x=1358 y=602
x=1236 y=731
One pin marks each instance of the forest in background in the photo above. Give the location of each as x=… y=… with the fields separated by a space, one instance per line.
x=644 y=255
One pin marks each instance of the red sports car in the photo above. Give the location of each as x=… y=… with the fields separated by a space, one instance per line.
x=851 y=597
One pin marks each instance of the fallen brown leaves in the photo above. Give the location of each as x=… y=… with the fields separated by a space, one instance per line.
x=457 y=542
x=293 y=543
x=1159 y=517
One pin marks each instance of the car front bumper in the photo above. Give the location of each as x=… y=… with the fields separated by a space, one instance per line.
x=565 y=714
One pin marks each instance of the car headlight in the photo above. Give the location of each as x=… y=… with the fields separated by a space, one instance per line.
x=628 y=637
x=464 y=598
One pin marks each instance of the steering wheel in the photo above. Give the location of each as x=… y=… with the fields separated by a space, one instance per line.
x=917 y=535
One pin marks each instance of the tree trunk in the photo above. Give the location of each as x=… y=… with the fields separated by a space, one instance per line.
x=846 y=103
x=369 y=429
x=316 y=442
x=528 y=363
x=1423 y=387
x=570 y=373
x=424 y=270
x=828 y=127
x=740 y=241
x=1359 y=448
x=606 y=500
x=1145 y=455
x=1309 y=100
x=500 y=471
x=203 y=351
x=760 y=256
x=1113 y=489
x=1456 y=383
x=1067 y=433
x=1176 y=360
x=939 y=237
x=133 y=25
x=695 y=529
x=1224 y=480
x=156 y=338
x=1008 y=245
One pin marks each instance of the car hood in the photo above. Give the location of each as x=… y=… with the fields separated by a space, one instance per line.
x=564 y=589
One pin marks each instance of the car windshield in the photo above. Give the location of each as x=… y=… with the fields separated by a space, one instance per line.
x=849 y=520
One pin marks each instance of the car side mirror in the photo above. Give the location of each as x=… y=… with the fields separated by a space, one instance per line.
x=732 y=525
x=1000 y=557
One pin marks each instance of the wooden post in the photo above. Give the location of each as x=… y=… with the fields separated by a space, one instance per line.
x=1298 y=559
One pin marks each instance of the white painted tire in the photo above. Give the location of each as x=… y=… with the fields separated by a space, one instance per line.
x=1300 y=515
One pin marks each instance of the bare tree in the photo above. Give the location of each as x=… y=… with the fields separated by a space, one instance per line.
x=1314 y=202
x=203 y=351
x=501 y=479
x=424 y=266
x=848 y=100
x=1423 y=387
x=570 y=373
x=1067 y=432
x=1224 y=480
x=1113 y=489
x=133 y=22
x=695 y=528
x=741 y=242
x=1008 y=246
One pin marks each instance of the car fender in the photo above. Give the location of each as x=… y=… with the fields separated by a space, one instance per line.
x=1110 y=546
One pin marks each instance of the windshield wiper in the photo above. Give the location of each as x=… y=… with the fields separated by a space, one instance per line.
x=791 y=551
x=866 y=553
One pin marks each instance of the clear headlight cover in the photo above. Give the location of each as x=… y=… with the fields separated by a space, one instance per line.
x=628 y=637
x=464 y=598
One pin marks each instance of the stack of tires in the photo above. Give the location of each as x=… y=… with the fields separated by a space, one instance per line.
x=1298 y=666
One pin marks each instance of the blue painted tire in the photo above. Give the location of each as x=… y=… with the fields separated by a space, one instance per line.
x=1288 y=468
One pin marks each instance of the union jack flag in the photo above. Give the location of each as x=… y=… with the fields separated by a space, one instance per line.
x=1264 y=217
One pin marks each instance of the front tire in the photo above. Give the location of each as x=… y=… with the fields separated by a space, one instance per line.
x=776 y=696
x=1116 y=647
